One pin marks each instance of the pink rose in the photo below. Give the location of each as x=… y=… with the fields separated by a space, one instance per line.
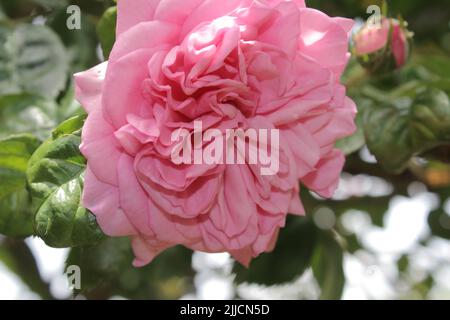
x=374 y=40
x=268 y=64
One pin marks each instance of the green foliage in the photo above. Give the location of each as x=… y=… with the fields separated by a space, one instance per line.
x=408 y=127
x=55 y=176
x=106 y=30
x=16 y=214
x=327 y=267
x=354 y=142
x=439 y=222
x=24 y=113
x=68 y=106
x=108 y=271
x=439 y=219
x=81 y=44
x=51 y=4
x=289 y=260
x=33 y=60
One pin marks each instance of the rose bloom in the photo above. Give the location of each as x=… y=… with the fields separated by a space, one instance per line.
x=267 y=64
x=372 y=39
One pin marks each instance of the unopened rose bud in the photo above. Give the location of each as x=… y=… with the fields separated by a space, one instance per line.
x=383 y=47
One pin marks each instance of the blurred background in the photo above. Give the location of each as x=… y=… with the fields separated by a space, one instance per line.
x=384 y=235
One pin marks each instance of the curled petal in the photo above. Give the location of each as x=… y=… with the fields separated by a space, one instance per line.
x=325 y=179
x=89 y=85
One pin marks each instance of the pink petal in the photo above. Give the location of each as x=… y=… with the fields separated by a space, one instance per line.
x=235 y=207
x=145 y=35
x=99 y=144
x=120 y=100
x=134 y=204
x=88 y=86
x=209 y=10
x=325 y=179
x=131 y=13
x=145 y=251
x=322 y=35
x=102 y=200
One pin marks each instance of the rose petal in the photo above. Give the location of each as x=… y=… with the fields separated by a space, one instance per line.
x=89 y=85
x=131 y=13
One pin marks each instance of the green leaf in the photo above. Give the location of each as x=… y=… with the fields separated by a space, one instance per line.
x=439 y=64
x=81 y=44
x=23 y=8
x=24 y=113
x=291 y=257
x=430 y=120
x=32 y=60
x=327 y=267
x=354 y=142
x=16 y=8
x=69 y=107
x=397 y=132
x=403 y=263
x=106 y=30
x=439 y=222
x=71 y=126
x=2 y=14
x=107 y=271
x=56 y=176
x=51 y=4
x=16 y=215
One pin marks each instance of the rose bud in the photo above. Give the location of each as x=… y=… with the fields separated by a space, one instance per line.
x=383 y=47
